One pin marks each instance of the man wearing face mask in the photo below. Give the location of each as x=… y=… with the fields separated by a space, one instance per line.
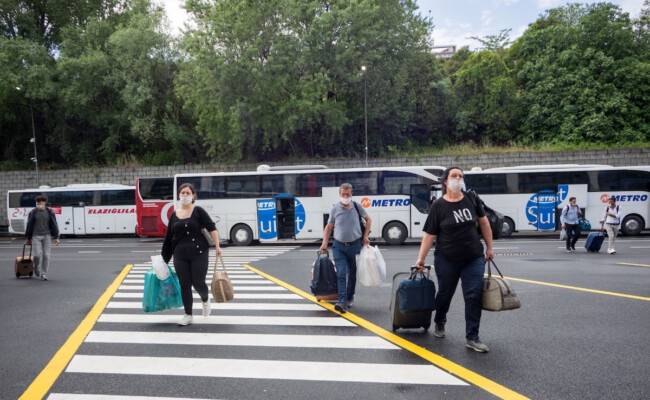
x=348 y=239
x=458 y=254
x=41 y=228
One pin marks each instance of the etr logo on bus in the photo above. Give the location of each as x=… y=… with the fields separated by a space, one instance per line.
x=366 y=202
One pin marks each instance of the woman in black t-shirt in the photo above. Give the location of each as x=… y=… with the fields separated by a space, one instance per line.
x=458 y=254
x=186 y=243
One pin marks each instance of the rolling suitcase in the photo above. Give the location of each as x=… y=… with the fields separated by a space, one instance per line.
x=24 y=265
x=594 y=242
x=406 y=320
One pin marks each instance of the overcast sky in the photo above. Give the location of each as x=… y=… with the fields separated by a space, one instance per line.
x=458 y=20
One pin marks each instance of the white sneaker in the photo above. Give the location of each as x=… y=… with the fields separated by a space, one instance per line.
x=187 y=319
x=206 y=308
x=611 y=251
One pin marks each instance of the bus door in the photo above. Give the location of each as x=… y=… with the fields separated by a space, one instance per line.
x=285 y=213
x=267 y=220
x=79 y=220
x=420 y=204
x=542 y=210
x=564 y=193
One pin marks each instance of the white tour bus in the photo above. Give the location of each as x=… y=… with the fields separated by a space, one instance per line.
x=276 y=203
x=80 y=209
x=532 y=197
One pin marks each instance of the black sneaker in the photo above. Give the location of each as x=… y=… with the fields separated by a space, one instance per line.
x=341 y=307
x=439 y=330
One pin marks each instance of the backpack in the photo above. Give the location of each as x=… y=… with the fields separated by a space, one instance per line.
x=362 y=222
x=495 y=218
x=323 y=278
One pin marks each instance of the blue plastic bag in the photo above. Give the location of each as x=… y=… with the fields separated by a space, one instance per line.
x=161 y=295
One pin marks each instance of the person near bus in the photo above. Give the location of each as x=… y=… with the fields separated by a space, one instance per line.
x=569 y=219
x=41 y=229
x=610 y=222
x=185 y=242
x=344 y=221
x=458 y=255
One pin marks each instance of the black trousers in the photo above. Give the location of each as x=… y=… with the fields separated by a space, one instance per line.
x=572 y=235
x=191 y=271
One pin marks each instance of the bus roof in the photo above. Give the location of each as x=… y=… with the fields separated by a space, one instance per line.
x=549 y=167
x=76 y=186
x=325 y=170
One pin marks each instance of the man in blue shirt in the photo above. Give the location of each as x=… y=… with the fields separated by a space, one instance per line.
x=344 y=220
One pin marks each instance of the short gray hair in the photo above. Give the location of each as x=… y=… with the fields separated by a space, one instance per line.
x=345 y=186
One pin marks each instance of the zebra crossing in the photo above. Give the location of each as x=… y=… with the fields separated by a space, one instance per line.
x=266 y=335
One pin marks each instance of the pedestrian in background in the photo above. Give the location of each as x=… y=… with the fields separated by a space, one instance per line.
x=41 y=228
x=344 y=220
x=186 y=243
x=611 y=221
x=569 y=219
x=458 y=254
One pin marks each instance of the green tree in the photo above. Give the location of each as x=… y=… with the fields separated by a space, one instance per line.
x=583 y=75
x=274 y=77
x=487 y=96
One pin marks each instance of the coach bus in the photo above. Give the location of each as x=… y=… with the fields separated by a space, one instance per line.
x=532 y=197
x=153 y=205
x=276 y=203
x=80 y=209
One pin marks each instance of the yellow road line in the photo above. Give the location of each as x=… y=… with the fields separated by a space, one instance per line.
x=628 y=296
x=44 y=381
x=634 y=265
x=449 y=366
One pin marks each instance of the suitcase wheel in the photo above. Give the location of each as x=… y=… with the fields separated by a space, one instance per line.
x=17 y=274
x=30 y=274
x=394 y=328
x=426 y=327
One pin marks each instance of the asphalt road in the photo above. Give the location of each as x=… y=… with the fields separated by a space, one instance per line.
x=579 y=334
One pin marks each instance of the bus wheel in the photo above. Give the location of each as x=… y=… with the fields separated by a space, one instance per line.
x=241 y=235
x=508 y=227
x=394 y=233
x=632 y=225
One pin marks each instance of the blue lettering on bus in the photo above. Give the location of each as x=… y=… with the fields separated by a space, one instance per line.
x=540 y=211
x=300 y=215
x=390 y=202
x=630 y=197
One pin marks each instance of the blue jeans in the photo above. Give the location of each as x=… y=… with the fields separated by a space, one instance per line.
x=345 y=259
x=471 y=275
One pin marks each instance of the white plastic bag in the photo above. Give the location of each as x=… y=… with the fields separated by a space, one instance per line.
x=159 y=267
x=563 y=234
x=371 y=268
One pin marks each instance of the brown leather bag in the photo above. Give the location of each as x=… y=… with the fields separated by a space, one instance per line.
x=221 y=286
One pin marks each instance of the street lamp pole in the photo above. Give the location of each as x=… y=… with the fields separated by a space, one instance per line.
x=35 y=159
x=33 y=139
x=365 y=110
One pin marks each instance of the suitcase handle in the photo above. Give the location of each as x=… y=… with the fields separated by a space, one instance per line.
x=414 y=271
x=30 y=250
x=319 y=254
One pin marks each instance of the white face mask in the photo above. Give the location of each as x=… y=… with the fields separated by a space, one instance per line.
x=346 y=200
x=455 y=185
x=40 y=206
x=185 y=200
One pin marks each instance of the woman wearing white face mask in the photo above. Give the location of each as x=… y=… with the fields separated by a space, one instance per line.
x=458 y=255
x=186 y=243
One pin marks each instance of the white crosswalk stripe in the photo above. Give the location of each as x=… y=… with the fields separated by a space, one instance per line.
x=263 y=315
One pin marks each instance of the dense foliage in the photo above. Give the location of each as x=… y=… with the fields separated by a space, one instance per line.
x=106 y=83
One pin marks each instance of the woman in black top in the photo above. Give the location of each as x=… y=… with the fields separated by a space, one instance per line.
x=185 y=242
x=458 y=255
